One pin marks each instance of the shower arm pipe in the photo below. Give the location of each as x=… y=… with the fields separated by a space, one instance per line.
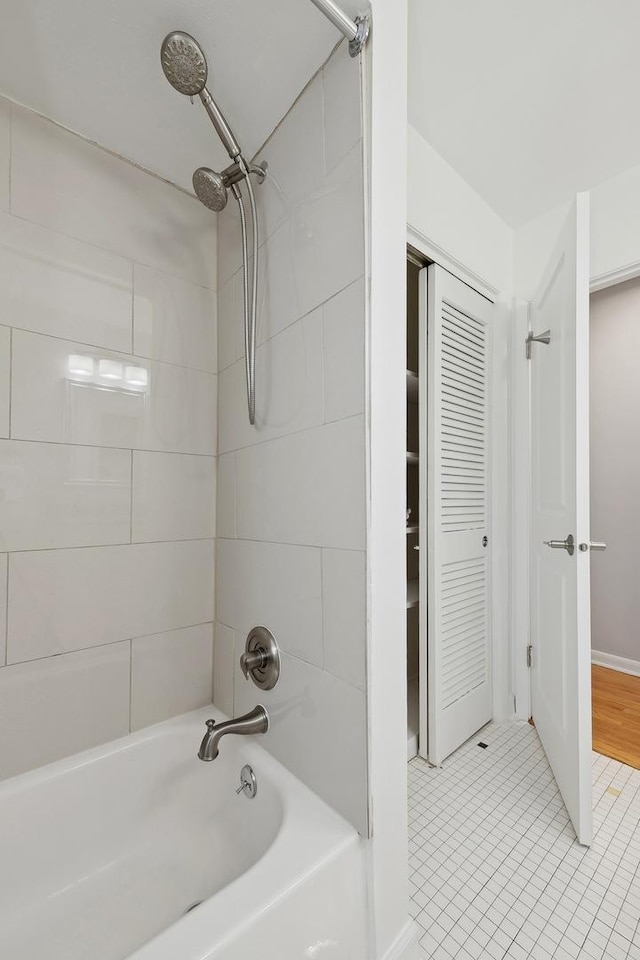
x=356 y=31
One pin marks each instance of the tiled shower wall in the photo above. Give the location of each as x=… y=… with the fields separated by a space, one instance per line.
x=107 y=445
x=291 y=490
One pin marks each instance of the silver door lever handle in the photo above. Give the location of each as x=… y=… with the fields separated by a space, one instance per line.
x=592 y=545
x=540 y=338
x=569 y=544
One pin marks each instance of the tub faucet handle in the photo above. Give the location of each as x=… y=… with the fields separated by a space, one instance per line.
x=252 y=661
x=261 y=658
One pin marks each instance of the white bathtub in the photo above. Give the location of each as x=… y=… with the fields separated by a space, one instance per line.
x=101 y=855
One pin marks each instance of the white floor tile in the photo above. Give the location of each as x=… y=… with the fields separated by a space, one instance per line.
x=490 y=837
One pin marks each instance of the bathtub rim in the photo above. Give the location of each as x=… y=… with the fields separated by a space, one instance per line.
x=310 y=835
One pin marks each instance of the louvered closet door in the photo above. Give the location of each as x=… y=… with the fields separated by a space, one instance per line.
x=459 y=654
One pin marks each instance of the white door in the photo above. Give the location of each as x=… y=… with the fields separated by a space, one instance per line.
x=560 y=605
x=456 y=504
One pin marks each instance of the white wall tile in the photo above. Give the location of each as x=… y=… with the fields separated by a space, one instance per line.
x=293 y=486
x=343 y=341
x=174 y=496
x=53 y=495
x=289 y=388
x=50 y=283
x=275 y=585
x=5 y=153
x=229 y=242
x=342 y=95
x=223 y=668
x=170 y=674
x=177 y=412
x=226 y=495
x=308 y=488
x=327 y=236
x=79 y=700
x=173 y=320
x=318 y=729
x=295 y=157
x=231 y=321
x=80 y=593
x=279 y=299
x=317 y=251
x=3 y=608
x=60 y=181
x=344 y=606
x=62 y=600
x=5 y=380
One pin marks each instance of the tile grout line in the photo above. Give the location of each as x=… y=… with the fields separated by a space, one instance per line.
x=544 y=847
x=120 y=354
x=6 y=616
x=131 y=496
x=130 y=683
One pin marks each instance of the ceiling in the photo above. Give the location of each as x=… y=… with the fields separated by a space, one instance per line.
x=529 y=102
x=95 y=68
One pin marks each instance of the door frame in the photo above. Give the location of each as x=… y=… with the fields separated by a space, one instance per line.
x=500 y=468
x=521 y=479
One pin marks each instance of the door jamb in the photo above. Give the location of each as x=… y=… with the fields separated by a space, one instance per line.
x=433 y=251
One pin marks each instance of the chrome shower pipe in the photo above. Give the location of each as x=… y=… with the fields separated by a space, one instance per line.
x=251 y=367
x=185 y=67
x=356 y=31
x=241 y=170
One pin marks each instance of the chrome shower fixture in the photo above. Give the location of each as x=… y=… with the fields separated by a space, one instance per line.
x=210 y=188
x=184 y=63
x=185 y=67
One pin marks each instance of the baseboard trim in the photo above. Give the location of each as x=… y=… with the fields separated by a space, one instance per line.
x=622 y=664
x=405 y=942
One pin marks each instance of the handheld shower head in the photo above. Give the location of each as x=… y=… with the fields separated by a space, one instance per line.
x=185 y=67
x=210 y=188
x=184 y=63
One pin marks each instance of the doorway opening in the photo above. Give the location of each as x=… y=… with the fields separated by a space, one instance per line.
x=615 y=520
x=449 y=327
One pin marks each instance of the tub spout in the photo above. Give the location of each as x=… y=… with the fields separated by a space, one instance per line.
x=256 y=721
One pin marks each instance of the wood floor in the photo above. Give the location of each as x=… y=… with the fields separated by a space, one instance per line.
x=616 y=715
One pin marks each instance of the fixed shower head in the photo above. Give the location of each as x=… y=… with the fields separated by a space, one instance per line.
x=210 y=188
x=184 y=63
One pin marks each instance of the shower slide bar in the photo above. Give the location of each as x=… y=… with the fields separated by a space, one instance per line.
x=356 y=31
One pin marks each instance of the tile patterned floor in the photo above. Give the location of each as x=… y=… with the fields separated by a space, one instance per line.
x=494 y=867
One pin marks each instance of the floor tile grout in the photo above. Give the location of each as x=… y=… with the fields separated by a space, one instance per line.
x=495 y=869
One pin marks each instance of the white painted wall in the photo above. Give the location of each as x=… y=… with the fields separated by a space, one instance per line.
x=386 y=128
x=291 y=499
x=464 y=235
x=615 y=469
x=444 y=208
x=615 y=239
x=106 y=488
